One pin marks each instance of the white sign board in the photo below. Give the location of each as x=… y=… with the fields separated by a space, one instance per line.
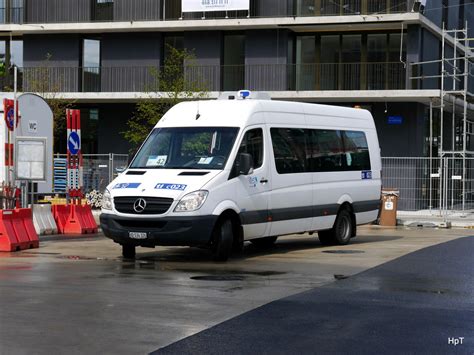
x=30 y=158
x=214 y=5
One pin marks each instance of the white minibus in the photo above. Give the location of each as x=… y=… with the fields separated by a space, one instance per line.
x=241 y=168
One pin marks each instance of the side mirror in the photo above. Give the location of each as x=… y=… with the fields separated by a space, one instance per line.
x=245 y=166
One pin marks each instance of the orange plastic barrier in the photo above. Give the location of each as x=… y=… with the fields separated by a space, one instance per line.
x=60 y=214
x=26 y=216
x=74 y=219
x=17 y=231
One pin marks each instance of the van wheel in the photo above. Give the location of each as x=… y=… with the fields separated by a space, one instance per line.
x=341 y=232
x=343 y=228
x=264 y=242
x=223 y=238
x=128 y=251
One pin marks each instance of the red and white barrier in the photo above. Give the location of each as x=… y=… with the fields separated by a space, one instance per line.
x=17 y=231
x=43 y=220
x=74 y=219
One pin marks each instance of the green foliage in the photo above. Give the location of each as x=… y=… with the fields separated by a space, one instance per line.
x=198 y=145
x=179 y=79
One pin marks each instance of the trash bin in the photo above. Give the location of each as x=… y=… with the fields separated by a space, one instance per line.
x=388 y=211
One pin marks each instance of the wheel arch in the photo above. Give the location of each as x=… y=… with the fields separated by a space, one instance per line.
x=236 y=223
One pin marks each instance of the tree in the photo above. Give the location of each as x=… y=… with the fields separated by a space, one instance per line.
x=179 y=79
x=46 y=81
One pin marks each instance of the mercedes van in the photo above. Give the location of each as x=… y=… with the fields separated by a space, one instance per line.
x=245 y=168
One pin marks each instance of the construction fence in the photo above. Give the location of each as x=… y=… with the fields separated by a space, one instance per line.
x=431 y=186
x=98 y=171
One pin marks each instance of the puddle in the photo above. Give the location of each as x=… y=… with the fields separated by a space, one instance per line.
x=344 y=251
x=420 y=290
x=16 y=267
x=217 y=272
x=40 y=253
x=77 y=257
x=219 y=278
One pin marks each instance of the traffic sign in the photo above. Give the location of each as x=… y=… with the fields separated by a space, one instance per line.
x=9 y=109
x=74 y=143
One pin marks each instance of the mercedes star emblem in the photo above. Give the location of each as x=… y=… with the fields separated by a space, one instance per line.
x=139 y=205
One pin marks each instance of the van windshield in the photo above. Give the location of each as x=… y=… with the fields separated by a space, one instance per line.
x=186 y=148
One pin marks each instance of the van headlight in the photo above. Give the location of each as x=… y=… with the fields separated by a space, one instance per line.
x=106 y=200
x=192 y=202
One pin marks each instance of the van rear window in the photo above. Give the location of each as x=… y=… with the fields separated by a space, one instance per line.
x=299 y=150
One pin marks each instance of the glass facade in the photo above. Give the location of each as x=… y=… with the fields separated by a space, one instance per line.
x=350 y=61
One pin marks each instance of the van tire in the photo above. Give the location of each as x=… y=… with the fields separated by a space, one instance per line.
x=223 y=239
x=343 y=227
x=341 y=232
x=264 y=242
x=128 y=251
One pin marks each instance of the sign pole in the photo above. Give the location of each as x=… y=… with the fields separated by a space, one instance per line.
x=15 y=121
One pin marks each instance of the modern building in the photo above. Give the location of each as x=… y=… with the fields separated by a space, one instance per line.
x=100 y=54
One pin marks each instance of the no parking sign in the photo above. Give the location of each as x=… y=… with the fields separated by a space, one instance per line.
x=9 y=114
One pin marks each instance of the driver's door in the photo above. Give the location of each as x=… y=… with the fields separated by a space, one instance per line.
x=252 y=191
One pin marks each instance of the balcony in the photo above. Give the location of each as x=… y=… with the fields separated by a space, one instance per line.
x=271 y=77
x=83 y=11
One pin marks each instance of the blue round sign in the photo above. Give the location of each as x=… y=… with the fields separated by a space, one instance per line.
x=10 y=119
x=74 y=143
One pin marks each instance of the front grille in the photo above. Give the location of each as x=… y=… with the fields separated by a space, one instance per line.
x=154 y=205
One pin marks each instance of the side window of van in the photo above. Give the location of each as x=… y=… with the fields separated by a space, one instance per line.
x=326 y=152
x=289 y=147
x=252 y=144
x=357 y=151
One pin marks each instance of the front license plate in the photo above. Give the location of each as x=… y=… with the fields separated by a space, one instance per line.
x=137 y=235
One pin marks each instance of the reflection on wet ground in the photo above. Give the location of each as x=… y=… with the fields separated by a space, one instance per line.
x=84 y=283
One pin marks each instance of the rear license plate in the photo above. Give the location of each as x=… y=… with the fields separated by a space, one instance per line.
x=137 y=235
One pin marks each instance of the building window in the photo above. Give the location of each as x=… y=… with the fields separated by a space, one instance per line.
x=305 y=59
x=233 y=70
x=89 y=127
x=91 y=65
x=351 y=57
x=11 y=55
x=102 y=10
x=330 y=59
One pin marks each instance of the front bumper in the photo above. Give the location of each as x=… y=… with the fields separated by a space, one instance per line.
x=178 y=231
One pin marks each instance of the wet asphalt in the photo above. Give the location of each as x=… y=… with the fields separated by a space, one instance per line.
x=76 y=295
x=421 y=303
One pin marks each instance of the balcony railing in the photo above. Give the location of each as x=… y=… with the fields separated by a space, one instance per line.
x=48 y=11
x=262 y=77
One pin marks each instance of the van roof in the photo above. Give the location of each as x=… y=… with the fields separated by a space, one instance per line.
x=238 y=113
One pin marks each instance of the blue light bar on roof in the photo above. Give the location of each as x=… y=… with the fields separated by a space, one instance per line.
x=244 y=94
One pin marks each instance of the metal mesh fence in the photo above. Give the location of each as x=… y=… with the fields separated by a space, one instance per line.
x=100 y=169
x=431 y=185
